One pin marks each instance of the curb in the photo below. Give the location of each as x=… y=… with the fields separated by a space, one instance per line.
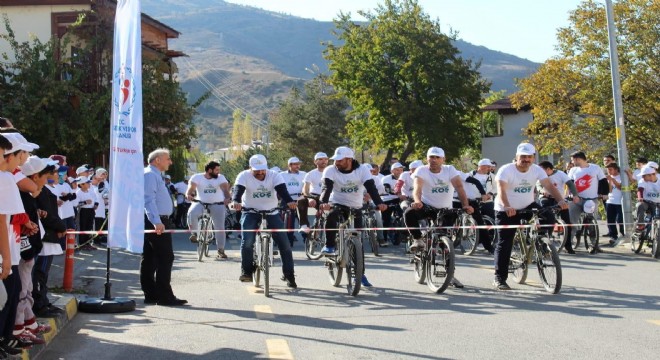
x=67 y=303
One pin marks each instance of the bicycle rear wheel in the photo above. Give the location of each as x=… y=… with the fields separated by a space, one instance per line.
x=210 y=237
x=470 y=239
x=636 y=242
x=371 y=235
x=488 y=221
x=440 y=265
x=354 y=265
x=590 y=231
x=314 y=243
x=518 y=262
x=559 y=234
x=335 y=272
x=549 y=266
x=265 y=264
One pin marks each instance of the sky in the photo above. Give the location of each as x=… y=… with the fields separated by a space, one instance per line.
x=525 y=28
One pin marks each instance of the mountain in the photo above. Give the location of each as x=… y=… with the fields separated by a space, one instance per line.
x=251 y=58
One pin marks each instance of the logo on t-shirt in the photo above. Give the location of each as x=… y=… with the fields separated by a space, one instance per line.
x=349 y=188
x=293 y=183
x=261 y=193
x=523 y=188
x=209 y=189
x=583 y=183
x=440 y=187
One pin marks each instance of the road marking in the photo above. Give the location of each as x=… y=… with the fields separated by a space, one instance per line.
x=263 y=312
x=278 y=349
x=655 y=322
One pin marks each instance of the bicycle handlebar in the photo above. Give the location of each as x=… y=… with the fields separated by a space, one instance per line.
x=261 y=212
x=207 y=204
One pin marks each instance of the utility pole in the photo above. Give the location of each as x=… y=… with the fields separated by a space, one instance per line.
x=622 y=149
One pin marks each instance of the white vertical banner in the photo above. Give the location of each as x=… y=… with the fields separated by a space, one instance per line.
x=126 y=216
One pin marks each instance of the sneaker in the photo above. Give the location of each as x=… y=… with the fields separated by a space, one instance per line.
x=330 y=250
x=365 y=281
x=615 y=242
x=290 y=281
x=39 y=328
x=417 y=245
x=193 y=238
x=501 y=285
x=245 y=278
x=457 y=284
x=305 y=229
x=29 y=339
x=221 y=254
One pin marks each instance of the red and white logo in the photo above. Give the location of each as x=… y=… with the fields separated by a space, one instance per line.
x=583 y=183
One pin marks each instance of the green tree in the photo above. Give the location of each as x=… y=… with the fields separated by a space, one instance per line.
x=310 y=121
x=571 y=94
x=408 y=87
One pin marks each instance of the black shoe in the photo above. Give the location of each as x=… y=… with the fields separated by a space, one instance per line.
x=570 y=251
x=173 y=302
x=150 y=301
x=245 y=278
x=501 y=285
x=290 y=281
x=10 y=347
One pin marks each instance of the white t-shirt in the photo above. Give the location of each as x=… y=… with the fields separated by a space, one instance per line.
x=437 y=189
x=180 y=188
x=389 y=181
x=260 y=195
x=294 y=183
x=347 y=189
x=66 y=210
x=651 y=191
x=614 y=197
x=520 y=186
x=82 y=196
x=408 y=184
x=208 y=190
x=11 y=204
x=558 y=179
x=314 y=178
x=586 y=180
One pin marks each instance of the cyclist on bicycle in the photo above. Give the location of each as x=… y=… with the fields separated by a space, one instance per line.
x=405 y=185
x=258 y=188
x=648 y=191
x=211 y=188
x=312 y=185
x=433 y=190
x=515 y=191
x=390 y=198
x=559 y=179
x=590 y=182
x=344 y=184
x=293 y=178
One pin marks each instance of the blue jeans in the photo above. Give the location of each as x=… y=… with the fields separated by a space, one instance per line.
x=251 y=221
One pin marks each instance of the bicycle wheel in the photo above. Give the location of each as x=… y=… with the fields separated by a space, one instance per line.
x=210 y=237
x=636 y=242
x=559 y=234
x=518 y=262
x=549 y=266
x=202 y=242
x=440 y=265
x=590 y=235
x=457 y=233
x=354 y=265
x=419 y=268
x=488 y=221
x=655 y=252
x=371 y=235
x=265 y=263
x=314 y=243
x=470 y=240
x=256 y=277
x=335 y=272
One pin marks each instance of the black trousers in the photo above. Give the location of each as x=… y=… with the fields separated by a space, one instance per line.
x=387 y=217
x=86 y=224
x=412 y=217
x=40 y=282
x=156 y=262
x=8 y=314
x=563 y=214
x=332 y=222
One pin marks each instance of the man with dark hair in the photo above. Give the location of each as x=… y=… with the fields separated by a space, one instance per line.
x=559 y=179
x=210 y=187
x=5 y=123
x=608 y=159
x=635 y=176
x=613 y=204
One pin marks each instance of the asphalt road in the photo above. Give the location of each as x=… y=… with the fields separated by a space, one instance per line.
x=609 y=307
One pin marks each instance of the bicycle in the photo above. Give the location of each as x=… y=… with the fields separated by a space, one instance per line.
x=559 y=234
x=369 y=222
x=232 y=222
x=398 y=236
x=263 y=250
x=436 y=264
x=651 y=233
x=316 y=238
x=588 y=228
x=205 y=236
x=528 y=247
x=349 y=253
x=464 y=234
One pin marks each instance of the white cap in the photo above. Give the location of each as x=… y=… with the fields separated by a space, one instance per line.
x=258 y=162
x=485 y=162
x=647 y=170
x=82 y=169
x=18 y=142
x=415 y=164
x=166 y=176
x=276 y=169
x=71 y=180
x=83 y=179
x=293 y=160
x=55 y=163
x=652 y=164
x=367 y=166
x=396 y=165
x=33 y=165
x=320 y=155
x=100 y=171
x=525 y=149
x=435 y=151
x=343 y=152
